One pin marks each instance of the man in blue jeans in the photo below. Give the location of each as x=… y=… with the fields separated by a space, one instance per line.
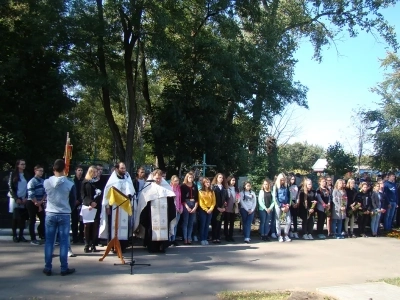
x=61 y=197
x=390 y=192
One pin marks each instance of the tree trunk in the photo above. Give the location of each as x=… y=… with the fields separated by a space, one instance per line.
x=146 y=96
x=131 y=36
x=106 y=100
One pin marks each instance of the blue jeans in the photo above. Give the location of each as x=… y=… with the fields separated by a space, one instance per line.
x=265 y=219
x=57 y=224
x=205 y=220
x=178 y=216
x=187 y=225
x=375 y=223
x=389 y=215
x=246 y=220
x=273 y=218
x=336 y=226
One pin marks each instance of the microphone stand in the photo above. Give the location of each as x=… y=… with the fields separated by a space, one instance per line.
x=133 y=263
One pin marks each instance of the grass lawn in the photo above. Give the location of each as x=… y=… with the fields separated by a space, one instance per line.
x=272 y=295
x=393 y=281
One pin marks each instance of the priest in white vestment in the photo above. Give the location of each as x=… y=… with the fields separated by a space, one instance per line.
x=121 y=180
x=155 y=214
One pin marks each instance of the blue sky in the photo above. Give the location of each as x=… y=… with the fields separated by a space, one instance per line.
x=340 y=83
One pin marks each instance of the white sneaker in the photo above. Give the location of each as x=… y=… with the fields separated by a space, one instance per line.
x=274 y=236
x=291 y=234
x=280 y=239
x=205 y=242
x=195 y=239
x=296 y=236
x=305 y=237
x=287 y=239
x=310 y=237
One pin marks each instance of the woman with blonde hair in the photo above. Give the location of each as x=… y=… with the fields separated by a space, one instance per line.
x=178 y=205
x=339 y=205
x=280 y=196
x=190 y=200
x=265 y=206
x=307 y=203
x=91 y=197
x=220 y=188
x=207 y=203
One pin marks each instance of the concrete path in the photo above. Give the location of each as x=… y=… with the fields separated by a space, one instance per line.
x=199 y=272
x=364 y=291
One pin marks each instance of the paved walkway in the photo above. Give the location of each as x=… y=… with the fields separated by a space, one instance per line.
x=364 y=291
x=199 y=272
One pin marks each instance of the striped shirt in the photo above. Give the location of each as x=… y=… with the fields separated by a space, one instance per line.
x=36 y=189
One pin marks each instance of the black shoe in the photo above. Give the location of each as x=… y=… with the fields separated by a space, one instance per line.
x=94 y=249
x=47 y=272
x=86 y=249
x=175 y=243
x=267 y=239
x=15 y=239
x=67 y=272
x=22 y=239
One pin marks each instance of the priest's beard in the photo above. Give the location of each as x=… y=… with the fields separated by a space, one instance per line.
x=120 y=173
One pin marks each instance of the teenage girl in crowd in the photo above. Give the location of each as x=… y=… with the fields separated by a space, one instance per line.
x=294 y=208
x=323 y=206
x=265 y=206
x=280 y=196
x=190 y=199
x=248 y=206
x=329 y=186
x=377 y=200
x=220 y=188
x=339 y=205
x=307 y=205
x=18 y=193
x=351 y=193
x=178 y=205
x=207 y=204
x=363 y=197
x=91 y=196
x=231 y=209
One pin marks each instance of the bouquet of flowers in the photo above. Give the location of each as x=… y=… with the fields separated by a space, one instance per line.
x=313 y=204
x=221 y=213
x=355 y=210
x=344 y=202
x=285 y=209
x=327 y=209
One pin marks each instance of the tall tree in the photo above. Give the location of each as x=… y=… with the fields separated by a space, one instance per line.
x=385 y=120
x=339 y=162
x=33 y=100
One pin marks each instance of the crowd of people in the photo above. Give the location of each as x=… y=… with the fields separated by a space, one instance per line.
x=281 y=203
x=191 y=207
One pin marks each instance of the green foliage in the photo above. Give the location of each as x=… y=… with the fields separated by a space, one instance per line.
x=299 y=157
x=339 y=162
x=385 y=121
x=34 y=103
x=171 y=78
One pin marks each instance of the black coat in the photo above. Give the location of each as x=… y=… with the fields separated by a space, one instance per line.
x=88 y=193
